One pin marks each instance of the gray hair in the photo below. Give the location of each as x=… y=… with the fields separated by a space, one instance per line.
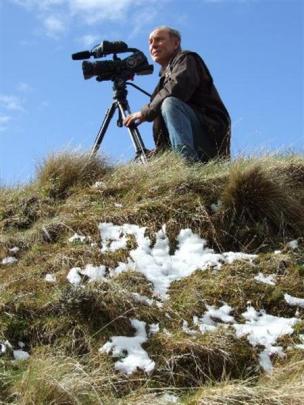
x=173 y=32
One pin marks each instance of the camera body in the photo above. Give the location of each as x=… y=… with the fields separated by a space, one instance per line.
x=116 y=68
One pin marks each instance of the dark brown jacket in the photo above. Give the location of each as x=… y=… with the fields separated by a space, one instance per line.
x=188 y=78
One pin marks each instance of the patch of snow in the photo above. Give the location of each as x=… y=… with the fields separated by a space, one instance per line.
x=168 y=399
x=14 y=250
x=263 y=329
x=114 y=237
x=50 y=278
x=230 y=257
x=77 y=238
x=122 y=267
x=261 y=278
x=136 y=356
x=294 y=301
x=99 y=184
x=213 y=317
x=142 y=299
x=153 y=328
x=2 y=348
x=20 y=355
x=74 y=276
x=300 y=345
x=156 y=263
x=277 y=252
x=265 y=357
x=9 y=260
x=187 y=330
x=94 y=273
x=294 y=244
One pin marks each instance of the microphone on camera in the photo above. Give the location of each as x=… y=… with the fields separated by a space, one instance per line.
x=81 y=55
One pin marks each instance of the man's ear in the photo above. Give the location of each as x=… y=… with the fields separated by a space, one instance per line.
x=177 y=44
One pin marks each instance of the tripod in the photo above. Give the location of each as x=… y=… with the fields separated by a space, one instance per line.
x=120 y=103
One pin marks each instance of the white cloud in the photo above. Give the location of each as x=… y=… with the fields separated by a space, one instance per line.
x=98 y=10
x=4 y=120
x=11 y=103
x=38 y=4
x=9 y=106
x=54 y=25
x=56 y=15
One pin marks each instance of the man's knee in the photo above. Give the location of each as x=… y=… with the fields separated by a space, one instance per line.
x=169 y=105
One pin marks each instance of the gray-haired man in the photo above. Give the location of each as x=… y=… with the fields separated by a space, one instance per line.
x=188 y=113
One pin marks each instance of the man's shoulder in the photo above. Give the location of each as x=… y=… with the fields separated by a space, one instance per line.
x=185 y=54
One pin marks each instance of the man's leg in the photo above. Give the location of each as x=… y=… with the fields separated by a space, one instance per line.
x=186 y=131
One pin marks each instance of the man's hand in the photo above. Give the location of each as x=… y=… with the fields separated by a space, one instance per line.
x=134 y=118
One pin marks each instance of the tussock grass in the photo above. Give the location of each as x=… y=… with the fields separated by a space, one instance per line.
x=283 y=387
x=60 y=172
x=58 y=379
x=257 y=202
x=254 y=205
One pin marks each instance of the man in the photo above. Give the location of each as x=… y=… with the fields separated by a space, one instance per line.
x=188 y=113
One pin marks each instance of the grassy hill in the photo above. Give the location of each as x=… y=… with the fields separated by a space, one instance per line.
x=63 y=298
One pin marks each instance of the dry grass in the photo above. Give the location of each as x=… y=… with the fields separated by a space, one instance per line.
x=253 y=205
x=60 y=172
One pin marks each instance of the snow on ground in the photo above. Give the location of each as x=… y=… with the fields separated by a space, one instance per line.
x=14 y=250
x=136 y=356
x=21 y=355
x=213 y=317
x=77 y=238
x=294 y=301
x=18 y=354
x=260 y=329
x=264 y=330
x=155 y=262
x=186 y=329
x=293 y=244
x=94 y=273
x=162 y=268
x=261 y=278
x=50 y=278
x=300 y=345
x=9 y=260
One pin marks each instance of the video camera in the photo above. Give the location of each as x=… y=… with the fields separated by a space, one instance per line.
x=125 y=69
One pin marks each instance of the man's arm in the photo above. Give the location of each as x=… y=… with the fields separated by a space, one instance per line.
x=181 y=82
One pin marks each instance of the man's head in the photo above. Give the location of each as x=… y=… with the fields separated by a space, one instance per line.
x=164 y=43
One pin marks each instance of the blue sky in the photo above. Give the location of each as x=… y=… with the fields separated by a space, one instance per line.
x=253 y=48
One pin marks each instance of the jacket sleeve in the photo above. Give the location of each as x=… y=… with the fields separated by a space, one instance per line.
x=181 y=81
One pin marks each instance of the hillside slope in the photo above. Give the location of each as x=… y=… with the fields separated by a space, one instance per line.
x=159 y=284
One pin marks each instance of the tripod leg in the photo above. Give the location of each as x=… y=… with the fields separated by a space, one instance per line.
x=134 y=134
x=104 y=126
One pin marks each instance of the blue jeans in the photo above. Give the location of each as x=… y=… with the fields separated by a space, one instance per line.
x=186 y=131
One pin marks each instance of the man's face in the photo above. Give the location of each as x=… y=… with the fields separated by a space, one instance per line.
x=162 y=46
